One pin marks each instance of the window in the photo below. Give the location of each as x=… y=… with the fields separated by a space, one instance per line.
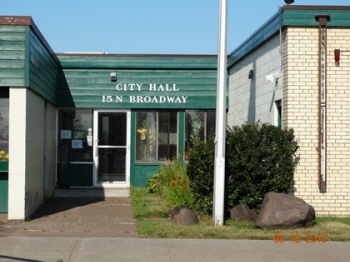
x=4 y=120
x=167 y=135
x=278 y=106
x=75 y=136
x=156 y=135
x=198 y=123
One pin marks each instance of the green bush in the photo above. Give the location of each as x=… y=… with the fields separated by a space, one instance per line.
x=172 y=183
x=200 y=170
x=259 y=159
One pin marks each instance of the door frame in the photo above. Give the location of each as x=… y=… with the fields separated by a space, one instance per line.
x=116 y=184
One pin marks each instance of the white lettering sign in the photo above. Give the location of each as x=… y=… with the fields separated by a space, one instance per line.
x=139 y=99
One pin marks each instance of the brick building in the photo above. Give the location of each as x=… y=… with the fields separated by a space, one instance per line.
x=296 y=83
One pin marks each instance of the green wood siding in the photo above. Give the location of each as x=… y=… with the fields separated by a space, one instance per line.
x=12 y=55
x=85 y=87
x=138 y=62
x=43 y=70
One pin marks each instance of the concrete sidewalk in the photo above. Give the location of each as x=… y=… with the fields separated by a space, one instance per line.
x=170 y=250
x=77 y=217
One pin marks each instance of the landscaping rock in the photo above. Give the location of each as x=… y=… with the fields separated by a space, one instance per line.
x=175 y=211
x=242 y=212
x=284 y=211
x=184 y=216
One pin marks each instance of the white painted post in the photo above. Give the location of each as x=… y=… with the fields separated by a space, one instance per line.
x=219 y=165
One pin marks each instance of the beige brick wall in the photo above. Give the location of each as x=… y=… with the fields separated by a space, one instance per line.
x=300 y=112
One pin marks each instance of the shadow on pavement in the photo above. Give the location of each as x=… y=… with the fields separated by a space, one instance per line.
x=19 y=259
x=56 y=205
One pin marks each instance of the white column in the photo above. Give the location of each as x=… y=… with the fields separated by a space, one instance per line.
x=219 y=165
x=17 y=153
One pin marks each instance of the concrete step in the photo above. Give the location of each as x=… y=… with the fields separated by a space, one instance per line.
x=91 y=192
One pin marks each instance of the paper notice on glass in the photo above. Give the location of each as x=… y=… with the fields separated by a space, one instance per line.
x=89 y=140
x=77 y=144
x=66 y=134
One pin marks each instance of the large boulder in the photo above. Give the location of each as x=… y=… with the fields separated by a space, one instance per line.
x=242 y=212
x=184 y=216
x=284 y=211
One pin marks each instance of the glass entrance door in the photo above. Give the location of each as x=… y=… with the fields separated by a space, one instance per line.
x=111 y=151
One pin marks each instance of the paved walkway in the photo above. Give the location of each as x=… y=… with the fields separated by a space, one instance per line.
x=69 y=229
x=77 y=217
x=36 y=249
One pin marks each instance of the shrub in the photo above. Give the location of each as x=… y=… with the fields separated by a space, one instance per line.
x=173 y=184
x=259 y=159
x=200 y=170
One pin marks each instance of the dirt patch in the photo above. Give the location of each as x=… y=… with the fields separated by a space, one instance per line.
x=3 y=219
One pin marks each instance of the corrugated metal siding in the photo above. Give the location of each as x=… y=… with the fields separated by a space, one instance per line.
x=43 y=70
x=12 y=55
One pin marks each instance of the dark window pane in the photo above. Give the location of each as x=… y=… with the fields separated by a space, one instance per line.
x=167 y=136
x=112 y=129
x=146 y=136
x=75 y=136
x=211 y=114
x=194 y=126
x=111 y=165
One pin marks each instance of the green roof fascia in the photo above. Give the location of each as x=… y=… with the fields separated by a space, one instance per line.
x=112 y=61
x=271 y=27
x=290 y=16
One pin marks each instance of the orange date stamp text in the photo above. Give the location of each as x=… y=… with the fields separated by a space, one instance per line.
x=308 y=239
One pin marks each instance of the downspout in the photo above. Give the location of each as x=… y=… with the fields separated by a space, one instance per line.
x=282 y=60
x=322 y=20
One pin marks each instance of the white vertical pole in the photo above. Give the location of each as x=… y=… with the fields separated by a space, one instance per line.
x=219 y=165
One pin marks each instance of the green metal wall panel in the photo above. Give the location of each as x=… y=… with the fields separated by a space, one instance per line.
x=89 y=88
x=4 y=166
x=12 y=55
x=3 y=192
x=143 y=172
x=43 y=69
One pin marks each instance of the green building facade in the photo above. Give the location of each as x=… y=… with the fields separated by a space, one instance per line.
x=92 y=119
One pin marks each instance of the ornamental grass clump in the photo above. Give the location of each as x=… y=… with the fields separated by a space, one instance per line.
x=172 y=183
